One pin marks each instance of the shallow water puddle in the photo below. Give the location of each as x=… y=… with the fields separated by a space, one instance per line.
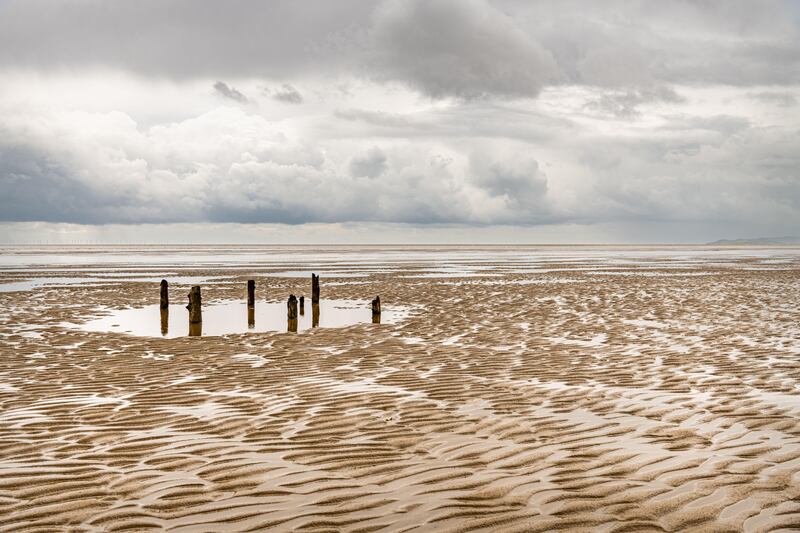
x=233 y=316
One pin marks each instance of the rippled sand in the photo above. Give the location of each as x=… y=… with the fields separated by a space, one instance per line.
x=536 y=389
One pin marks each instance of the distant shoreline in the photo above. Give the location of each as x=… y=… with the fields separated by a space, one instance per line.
x=758 y=241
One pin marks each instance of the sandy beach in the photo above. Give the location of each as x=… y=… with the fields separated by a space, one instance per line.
x=609 y=389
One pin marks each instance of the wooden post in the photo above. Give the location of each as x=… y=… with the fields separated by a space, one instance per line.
x=164 y=294
x=251 y=293
x=291 y=308
x=376 y=310
x=195 y=313
x=314 y=289
x=302 y=305
x=251 y=317
x=195 y=329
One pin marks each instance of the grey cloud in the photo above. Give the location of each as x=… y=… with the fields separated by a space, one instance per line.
x=40 y=185
x=614 y=63
x=32 y=185
x=224 y=90
x=777 y=98
x=738 y=64
x=370 y=164
x=622 y=43
x=287 y=93
x=376 y=118
x=463 y=48
x=723 y=124
x=465 y=119
x=181 y=39
x=626 y=104
x=519 y=182
x=750 y=175
x=442 y=48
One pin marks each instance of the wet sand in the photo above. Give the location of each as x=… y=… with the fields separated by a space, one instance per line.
x=534 y=389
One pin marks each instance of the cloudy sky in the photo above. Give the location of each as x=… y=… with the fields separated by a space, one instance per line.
x=399 y=120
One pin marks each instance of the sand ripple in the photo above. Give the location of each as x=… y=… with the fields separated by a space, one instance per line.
x=609 y=403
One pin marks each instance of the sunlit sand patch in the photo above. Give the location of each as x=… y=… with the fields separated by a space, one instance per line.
x=16 y=418
x=207 y=410
x=256 y=361
x=186 y=379
x=597 y=340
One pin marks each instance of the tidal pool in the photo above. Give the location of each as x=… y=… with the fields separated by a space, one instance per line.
x=233 y=316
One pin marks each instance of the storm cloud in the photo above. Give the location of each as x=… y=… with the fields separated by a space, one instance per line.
x=441 y=47
x=470 y=112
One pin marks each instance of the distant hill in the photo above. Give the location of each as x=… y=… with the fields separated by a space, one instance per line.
x=760 y=240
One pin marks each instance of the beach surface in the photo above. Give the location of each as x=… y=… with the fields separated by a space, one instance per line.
x=582 y=388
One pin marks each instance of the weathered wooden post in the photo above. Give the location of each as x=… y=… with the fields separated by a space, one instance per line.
x=251 y=293
x=376 y=310
x=251 y=317
x=164 y=294
x=195 y=313
x=314 y=315
x=302 y=305
x=291 y=307
x=164 y=306
x=314 y=288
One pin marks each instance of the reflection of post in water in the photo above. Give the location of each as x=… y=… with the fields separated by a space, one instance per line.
x=376 y=310
x=291 y=313
x=164 y=321
x=314 y=315
x=195 y=316
x=251 y=317
x=302 y=305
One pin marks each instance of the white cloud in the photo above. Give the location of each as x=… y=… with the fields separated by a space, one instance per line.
x=224 y=165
